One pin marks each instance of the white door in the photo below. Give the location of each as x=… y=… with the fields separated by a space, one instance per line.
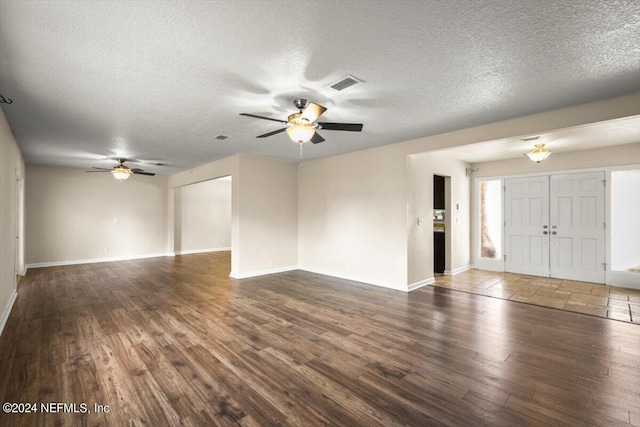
x=577 y=227
x=526 y=229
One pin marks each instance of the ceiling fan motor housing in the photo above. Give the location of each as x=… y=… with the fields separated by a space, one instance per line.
x=300 y=103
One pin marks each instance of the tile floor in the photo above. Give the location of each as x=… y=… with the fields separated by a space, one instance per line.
x=581 y=297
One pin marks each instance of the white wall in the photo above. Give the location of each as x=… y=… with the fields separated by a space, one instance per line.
x=73 y=216
x=11 y=249
x=618 y=155
x=422 y=168
x=203 y=216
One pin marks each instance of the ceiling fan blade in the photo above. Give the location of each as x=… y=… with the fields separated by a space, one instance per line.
x=351 y=127
x=100 y=169
x=106 y=170
x=141 y=172
x=271 y=133
x=312 y=112
x=316 y=138
x=262 y=117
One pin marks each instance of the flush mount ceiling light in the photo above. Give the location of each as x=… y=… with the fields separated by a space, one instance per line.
x=539 y=153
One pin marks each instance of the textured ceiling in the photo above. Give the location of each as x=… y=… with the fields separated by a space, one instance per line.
x=159 y=80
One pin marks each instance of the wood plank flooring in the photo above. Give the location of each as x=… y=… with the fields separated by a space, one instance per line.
x=175 y=341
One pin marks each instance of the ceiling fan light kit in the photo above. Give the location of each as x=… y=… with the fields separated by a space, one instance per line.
x=539 y=153
x=302 y=126
x=121 y=172
x=300 y=133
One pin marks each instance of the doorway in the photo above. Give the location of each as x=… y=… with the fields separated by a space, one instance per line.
x=439 y=224
x=554 y=226
x=202 y=220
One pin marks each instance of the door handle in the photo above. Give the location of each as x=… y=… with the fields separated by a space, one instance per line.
x=553 y=232
x=545 y=226
x=545 y=232
x=553 y=226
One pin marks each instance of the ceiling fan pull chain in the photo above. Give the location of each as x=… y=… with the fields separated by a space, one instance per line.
x=300 y=161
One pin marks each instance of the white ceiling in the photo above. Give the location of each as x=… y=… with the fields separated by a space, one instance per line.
x=159 y=80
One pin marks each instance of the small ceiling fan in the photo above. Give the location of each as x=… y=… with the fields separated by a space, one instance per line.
x=121 y=171
x=302 y=126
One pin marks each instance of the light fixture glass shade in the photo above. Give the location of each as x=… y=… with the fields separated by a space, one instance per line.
x=300 y=133
x=539 y=153
x=121 y=173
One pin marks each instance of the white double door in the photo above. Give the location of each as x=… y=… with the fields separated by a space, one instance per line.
x=555 y=226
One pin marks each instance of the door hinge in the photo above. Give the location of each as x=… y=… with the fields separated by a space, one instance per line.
x=604 y=225
x=504 y=188
x=504 y=257
x=604 y=182
x=604 y=264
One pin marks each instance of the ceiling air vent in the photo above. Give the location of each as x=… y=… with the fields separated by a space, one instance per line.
x=221 y=137
x=346 y=82
x=530 y=138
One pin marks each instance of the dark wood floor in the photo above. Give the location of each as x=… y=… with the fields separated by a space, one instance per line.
x=174 y=341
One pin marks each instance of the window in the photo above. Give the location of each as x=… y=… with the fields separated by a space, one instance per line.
x=490 y=205
x=625 y=221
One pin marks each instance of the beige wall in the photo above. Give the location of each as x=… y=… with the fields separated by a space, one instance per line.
x=11 y=249
x=348 y=216
x=264 y=211
x=76 y=216
x=422 y=168
x=353 y=211
x=229 y=166
x=268 y=216
x=203 y=216
x=355 y=219
x=602 y=157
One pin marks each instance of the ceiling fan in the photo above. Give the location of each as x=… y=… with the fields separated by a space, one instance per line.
x=302 y=126
x=121 y=171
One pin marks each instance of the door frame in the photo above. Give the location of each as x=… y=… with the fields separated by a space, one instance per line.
x=629 y=280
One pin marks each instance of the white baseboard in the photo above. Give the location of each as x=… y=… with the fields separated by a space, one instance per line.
x=458 y=270
x=95 y=260
x=255 y=273
x=359 y=279
x=7 y=311
x=421 y=283
x=199 y=251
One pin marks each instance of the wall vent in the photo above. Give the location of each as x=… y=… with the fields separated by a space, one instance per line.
x=221 y=137
x=346 y=82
